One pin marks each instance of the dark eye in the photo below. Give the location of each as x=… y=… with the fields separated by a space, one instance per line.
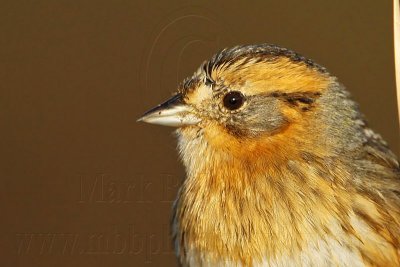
x=233 y=100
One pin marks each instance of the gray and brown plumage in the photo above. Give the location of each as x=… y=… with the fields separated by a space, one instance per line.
x=282 y=169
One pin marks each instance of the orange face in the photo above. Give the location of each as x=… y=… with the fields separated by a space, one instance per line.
x=248 y=104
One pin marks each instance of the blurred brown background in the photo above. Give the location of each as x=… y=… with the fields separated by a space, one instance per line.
x=83 y=184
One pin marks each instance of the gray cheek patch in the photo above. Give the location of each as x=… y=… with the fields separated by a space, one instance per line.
x=261 y=115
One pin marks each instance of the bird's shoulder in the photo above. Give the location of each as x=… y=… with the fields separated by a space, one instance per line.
x=377 y=149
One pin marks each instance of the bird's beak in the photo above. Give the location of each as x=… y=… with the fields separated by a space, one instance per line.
x=173 y=112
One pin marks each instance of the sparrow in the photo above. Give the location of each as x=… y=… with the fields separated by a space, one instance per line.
x=281 y=167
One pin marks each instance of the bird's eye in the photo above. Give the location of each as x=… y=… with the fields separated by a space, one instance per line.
x=233 y=100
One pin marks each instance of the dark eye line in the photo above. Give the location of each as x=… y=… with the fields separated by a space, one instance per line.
x=303 y=100
x=304 y=97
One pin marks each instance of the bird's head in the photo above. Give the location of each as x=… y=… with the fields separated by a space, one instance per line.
x=274 y=150
x=250 y=100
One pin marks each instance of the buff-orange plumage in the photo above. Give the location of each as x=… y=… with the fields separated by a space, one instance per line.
x=282 y=169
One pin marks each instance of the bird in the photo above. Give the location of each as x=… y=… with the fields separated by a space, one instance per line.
x=282 y=168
